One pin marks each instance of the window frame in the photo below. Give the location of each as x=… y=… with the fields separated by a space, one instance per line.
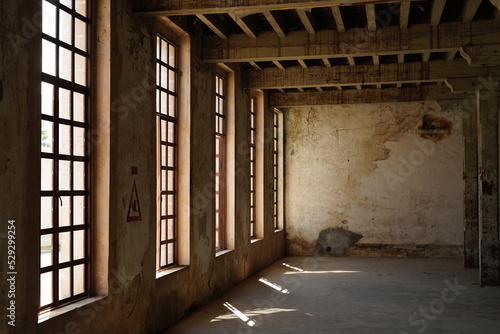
x=169 y=118
x=72 y=85
x=220 y=177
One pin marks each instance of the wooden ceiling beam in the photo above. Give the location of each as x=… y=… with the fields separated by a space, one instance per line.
x=248 y=24
x=437 y=11
x=435 y=71
x=337 y=16
x=404 y=15
x=277 y=21
x=469 y=10
x=308 y=20
x=215 y=24
x=194 y=7
x=335 y=97
x=448 y=36
x=370 y=17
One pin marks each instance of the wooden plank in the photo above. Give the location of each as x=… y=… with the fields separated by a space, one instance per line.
x=277 y=21
x=401 y=58
x=337 y=16
x=335 y=97
x=469 y=10
x=437 y=11
x=404 y=15
x=215 y=24
x=327 y=62
x=451 y=55
x=370 y=17
x=302 y=63
x=419 y=38
x=376 y=60
x=426 y=56
x=308 y=20
x=194 y=7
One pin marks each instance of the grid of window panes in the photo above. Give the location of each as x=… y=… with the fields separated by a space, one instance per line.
x=275 y=168
x=64 y=219
x=253 y=132
x=166 y=111
x=220 y=175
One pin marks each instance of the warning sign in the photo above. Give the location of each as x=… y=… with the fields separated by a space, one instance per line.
x=134 y=208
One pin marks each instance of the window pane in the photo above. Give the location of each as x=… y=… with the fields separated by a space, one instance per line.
x=49 y=19
x=64 y=139
x=64 y=211
x=65 y=26
x=78 y=210
x=47 y=137
x=46 y=249
x=64 y=247
x=163 y=257
x=47 y=99
x=80 y=35
x=163 y=234
x=78 y=175
x=47 y=170
x=170 y=253
x=81 y=7
x=46 y=209
x=78 y=245
x=46 y=289
x=48 y=57
x=78 y=141
x=64 y=175
x=80 y=70
x=79 y=279
x=65 y=61
x=64 y=283
x=78 y=107
x=64 y=103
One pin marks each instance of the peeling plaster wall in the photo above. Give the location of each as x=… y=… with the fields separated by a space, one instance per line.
x=367 y=169
x=134 y=300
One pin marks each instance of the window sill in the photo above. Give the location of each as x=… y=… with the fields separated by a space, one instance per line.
x=278 y=230
x=47 y=315
x=169 y=271
x=223 y=252
x=255 y=240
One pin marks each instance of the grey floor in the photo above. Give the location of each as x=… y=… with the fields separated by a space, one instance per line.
x=353 y=295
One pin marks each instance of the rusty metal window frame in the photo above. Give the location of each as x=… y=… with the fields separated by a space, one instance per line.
x=253 y=152
x=220 y=162
x=64 y=229
x=167 y=143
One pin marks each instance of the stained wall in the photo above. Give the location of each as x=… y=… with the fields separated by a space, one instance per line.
x=378 y=170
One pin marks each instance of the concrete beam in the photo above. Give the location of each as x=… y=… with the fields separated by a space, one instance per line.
x=334 y=97
x=469 y=10
x=339 y=21
x=449 y=36
x=193 y=7
x=277 y=21
x=334 y=76
x=437 y=11
x=489 y=235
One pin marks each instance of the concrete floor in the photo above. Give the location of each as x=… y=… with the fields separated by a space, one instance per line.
x=353 y=295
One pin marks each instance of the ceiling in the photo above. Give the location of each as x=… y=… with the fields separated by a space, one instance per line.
x=347 y=45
